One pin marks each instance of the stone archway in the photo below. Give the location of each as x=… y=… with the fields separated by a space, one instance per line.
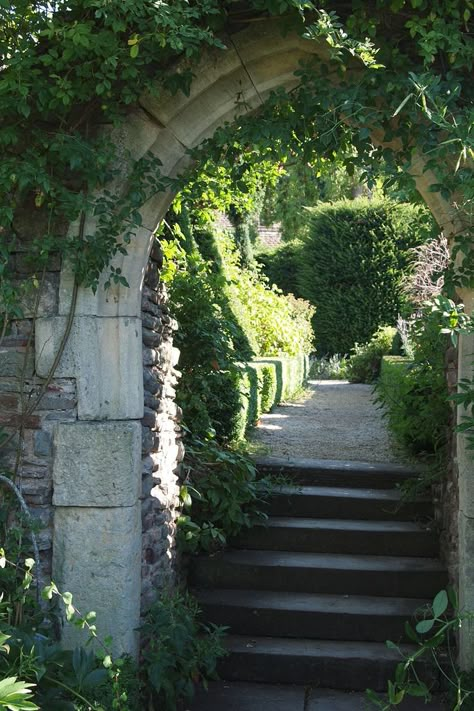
x=97 y=453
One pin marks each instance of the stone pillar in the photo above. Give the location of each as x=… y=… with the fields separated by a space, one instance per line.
x=466 y=516
x=97 y=527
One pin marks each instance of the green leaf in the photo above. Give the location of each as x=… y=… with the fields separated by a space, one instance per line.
x=424 y=626
x=440 y=603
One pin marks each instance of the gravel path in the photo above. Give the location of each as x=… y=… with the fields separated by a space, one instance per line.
x=334 y=420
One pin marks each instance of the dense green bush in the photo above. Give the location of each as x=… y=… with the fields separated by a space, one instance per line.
x=352 y=264
x=281 y=266
x=179 y=651
x=364 y=364
x=226 y=316
x=254 y=388
x=221 y=495
x=255 y=377
x=329 y=368
x=274 y=323
x=415 y=392
x=269 y=385
x=291 y=374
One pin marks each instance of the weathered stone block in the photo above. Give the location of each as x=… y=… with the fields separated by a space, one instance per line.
x=97 y=464
x=104 y=355
x=151 y=338
x=47 y=303
x=97 y=557
x=466 y=589
x=15 y=359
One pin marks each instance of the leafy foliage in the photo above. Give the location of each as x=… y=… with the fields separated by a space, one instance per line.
x=364 y=363
x=330 y=368
x=180 y=651
x=352 y=264
x=434 y=636
x=304 y=184
x=32 y=661
x=221 y=494
x=227 y=314
x=13 y=695
x=281 y=265
x=275 y=324
x=415 y=393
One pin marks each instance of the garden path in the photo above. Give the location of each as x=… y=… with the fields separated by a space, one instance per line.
x=334 y=419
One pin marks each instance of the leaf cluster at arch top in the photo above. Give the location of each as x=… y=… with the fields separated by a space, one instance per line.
x=69 y=69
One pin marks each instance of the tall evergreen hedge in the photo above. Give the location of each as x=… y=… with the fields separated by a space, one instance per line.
x=352 y=265
x=281 y=266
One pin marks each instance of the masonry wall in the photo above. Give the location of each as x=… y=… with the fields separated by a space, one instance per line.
x=446 y=492
x=162 y=445
x=33 y=455
x=30 y=458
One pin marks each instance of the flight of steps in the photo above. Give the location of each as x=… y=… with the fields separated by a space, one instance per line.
x=311 y=598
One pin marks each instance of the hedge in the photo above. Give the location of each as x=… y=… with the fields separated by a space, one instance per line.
x=352 y=264
x=255 y=389
x=291 y=373
x=281 y=266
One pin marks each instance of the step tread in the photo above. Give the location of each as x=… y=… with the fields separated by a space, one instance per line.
x=326 y=560
x=334 y=524
x=336 y=465
x=313 y=648
x=343 y=492
x=312 y=602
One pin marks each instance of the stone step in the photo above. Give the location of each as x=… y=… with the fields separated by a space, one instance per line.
x=354 y=666
x=246 y=696
x=400 y=538
x=331 y=472
x=347 y=503
x=318 y=573
x=311 y=616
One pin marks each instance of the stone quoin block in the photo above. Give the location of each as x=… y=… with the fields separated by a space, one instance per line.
x=97 y=556
x=97 y=464
x=104 y=355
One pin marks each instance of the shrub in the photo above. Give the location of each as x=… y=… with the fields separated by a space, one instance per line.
x=352 y=264
x=269 y=385
x=228 y=409
x=221 y=495
x=290 y=374
x=179 y=651
x=364 y=364
x=280 y=266
x=227 y=315
x=415 y=392
x=329 y=368
x=273 y=322
x=255 y=377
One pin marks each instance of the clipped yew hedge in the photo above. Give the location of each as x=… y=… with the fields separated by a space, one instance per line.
x=255 y=389
x=352 y=264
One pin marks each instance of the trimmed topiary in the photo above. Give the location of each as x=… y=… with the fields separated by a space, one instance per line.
x=269 y=385
x=352 y=266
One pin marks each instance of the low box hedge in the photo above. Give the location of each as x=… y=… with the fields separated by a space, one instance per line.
x=255 y=388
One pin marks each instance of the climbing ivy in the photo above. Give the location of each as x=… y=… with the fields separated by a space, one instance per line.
x=70 y=73
x=67 y=69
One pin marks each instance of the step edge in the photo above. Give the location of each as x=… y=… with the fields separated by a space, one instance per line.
x=332 y=465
